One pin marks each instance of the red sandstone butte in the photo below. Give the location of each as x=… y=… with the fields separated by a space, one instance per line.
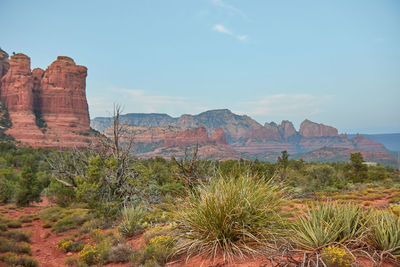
x=188 y=137
x=219 y=137
x=56 y=97
x=312 y=129
x=63 y=98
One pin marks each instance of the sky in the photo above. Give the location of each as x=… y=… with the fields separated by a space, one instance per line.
x=333 y=62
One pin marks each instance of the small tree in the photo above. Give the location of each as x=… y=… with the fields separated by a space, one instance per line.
x=283 y=162
x=27 y=188
x=358 y=168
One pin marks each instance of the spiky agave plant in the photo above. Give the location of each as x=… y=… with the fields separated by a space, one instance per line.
x=385 y=233
x=232 y=216
x=325 y=223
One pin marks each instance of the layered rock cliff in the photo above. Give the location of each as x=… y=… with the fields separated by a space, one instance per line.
x=47 y=108
x=242 y=134
x=312 y=129
x=4 y=65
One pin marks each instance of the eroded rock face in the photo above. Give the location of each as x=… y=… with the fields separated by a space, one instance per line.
x=188 y=137
x=47 y=108
x=269 y=131
x=4 y=65
x=312 y=129
x=17 y=85
x=219 y=137
x=63 y=99
x=287 y=129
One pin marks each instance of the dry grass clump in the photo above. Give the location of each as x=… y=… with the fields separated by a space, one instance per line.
x=232 y=216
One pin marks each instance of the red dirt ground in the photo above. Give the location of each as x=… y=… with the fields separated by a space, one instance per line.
x=44 y=245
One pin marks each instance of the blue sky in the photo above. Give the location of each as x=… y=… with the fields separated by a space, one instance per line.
x=335 y=62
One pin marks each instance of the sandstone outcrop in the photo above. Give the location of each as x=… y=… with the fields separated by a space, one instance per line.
x=46 y=108
x=287 y=129
x=219 y=137
x=312 y=129
x=4 y=65
x=17 y=95
x=269 y=131
x=63 y=98
x=197 y=136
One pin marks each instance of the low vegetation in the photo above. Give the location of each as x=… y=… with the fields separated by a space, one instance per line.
x=330 y=213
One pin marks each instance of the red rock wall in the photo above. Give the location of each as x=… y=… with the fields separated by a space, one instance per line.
x=63 y=98
x=312 y=129
x=57 y=95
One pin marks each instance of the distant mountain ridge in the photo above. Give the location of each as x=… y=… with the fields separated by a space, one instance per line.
x=162 y=135
x=390 y=140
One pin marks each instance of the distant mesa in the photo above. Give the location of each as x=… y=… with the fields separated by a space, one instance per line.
x=47 y=108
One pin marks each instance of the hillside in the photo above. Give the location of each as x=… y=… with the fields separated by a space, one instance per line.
x=391 y=140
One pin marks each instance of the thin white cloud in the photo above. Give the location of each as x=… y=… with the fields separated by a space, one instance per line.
x=230 y=8
x=282 y=105
x=222 y=29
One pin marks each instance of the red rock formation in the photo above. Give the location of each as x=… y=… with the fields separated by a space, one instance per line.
x=287 y=129
x=4 y=65
x=219 y=137
x=63 y=99
x=188 y=137
x=17 y=95
x=17 y=85
x=269 y=131
x=363 y=143
x=312 y=129
x=53 y=99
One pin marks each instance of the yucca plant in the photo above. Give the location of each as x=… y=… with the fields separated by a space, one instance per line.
x=385 y=232
x=330 y=222
x=131 y=221
x=232 y=216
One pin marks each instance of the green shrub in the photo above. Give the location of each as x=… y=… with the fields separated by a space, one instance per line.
x=13 y=260
x=232 y=216
x=28 y=189
x=70 y=245
x=329 y=222
x=118 y=253
x=156 y=252
x=17 y=235
x=7 y=190
x=156 y=231
x=131 y=221
x=65 y=219
x=89 y=255
x=385 y=232
x=12 y=246
x=26 y=218
x=14 y=224
x=3 y=227
x=92 y=224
